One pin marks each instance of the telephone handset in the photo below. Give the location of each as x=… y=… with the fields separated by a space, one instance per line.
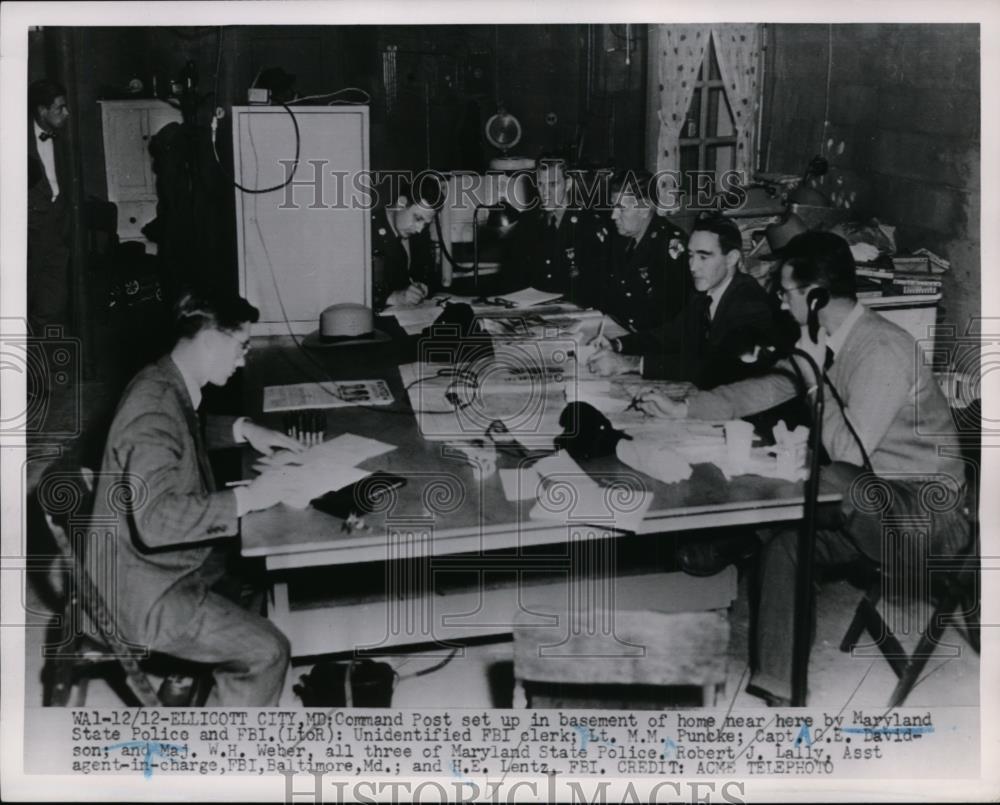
x=815 y=301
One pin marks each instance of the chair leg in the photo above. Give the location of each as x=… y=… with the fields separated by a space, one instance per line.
x=710 y=693
x=520 y=700
x=139 y=683
x=868 y=619
x=81 y=691
x=58 y=679
x=918 y=660
x=854 y=631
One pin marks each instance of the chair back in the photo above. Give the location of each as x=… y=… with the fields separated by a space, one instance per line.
x=65 y=496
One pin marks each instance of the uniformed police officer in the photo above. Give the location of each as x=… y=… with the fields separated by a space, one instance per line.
x=647 y=281
x=402 y=257
x=554 y=245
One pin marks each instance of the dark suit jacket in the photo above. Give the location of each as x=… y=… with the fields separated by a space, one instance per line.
x=392 y=270
x=48 y=240
x=650 y=285
x=745 y=317
x=164 y=533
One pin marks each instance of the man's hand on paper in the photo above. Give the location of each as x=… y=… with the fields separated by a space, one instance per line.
x=413 y=295
x=600 y=343
x=270 y=488
x=610 y=364
x=266 y=441
x=658 y=404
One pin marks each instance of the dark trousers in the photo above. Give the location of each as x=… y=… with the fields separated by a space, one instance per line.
x=48 y=277
x=849 y=535
x=249 y=654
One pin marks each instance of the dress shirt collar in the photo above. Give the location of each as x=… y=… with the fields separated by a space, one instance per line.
x=193 y=389
x=715 y=295
x=836 y=340
x=559 y=212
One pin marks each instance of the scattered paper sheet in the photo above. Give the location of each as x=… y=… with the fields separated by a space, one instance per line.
x=659 y=461
x=586 y=501
x=306 y=482
x=614 y=395
x=762 y=461
x=345 y=450
x=415 y=318
x=529 y=297
x=520 y=484
x=329 y=394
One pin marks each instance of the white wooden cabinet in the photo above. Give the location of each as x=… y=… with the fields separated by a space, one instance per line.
x=128 y=128
x=917 y=314
x=304 y=246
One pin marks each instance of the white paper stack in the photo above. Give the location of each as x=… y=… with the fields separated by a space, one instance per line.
x=323 y=468
x=572 y=497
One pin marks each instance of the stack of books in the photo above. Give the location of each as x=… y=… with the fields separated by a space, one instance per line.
x=919 y=274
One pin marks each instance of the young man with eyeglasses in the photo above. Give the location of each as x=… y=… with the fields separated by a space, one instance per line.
x=885 y=414
x=175 y=529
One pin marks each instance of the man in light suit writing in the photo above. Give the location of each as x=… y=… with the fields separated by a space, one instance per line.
x=176 y=531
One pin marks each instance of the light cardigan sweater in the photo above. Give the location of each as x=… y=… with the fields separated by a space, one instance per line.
x=889 y=392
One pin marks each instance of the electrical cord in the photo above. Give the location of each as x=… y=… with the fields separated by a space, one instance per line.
x=449 y=394
x=425 y=671
x=232 y=179
x=367 y=100
x=843 y=412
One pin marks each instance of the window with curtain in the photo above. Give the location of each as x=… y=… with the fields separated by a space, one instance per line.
x=707 y=141
x=709 y=95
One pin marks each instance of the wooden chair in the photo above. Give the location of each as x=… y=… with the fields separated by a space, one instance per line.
x=956 y=597
x=647 y=649
x=87 y=642
x=952 y=584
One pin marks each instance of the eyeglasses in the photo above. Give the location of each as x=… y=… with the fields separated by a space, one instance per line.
x=244 y=345
x=782 y=291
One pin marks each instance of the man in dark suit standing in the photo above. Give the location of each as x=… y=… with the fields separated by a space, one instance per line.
x=48 y=211
x=706 y=343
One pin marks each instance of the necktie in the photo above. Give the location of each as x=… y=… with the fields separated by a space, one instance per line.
x=629 y=249
x=44 y=135
x=828 y=360
x=704 y=316
x=552 y=224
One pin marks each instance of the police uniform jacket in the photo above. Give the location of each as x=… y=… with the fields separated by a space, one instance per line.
x=563 y=257
x=647 y=282
x=392 y=269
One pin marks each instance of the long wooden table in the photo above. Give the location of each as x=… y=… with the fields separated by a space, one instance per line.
x=444 y=523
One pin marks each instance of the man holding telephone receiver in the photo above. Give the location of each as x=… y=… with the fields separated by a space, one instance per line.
x=886 y=416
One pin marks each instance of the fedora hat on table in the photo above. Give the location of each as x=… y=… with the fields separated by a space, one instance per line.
x=345 y=324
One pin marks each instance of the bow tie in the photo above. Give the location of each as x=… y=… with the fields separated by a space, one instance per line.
x=45 y=135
